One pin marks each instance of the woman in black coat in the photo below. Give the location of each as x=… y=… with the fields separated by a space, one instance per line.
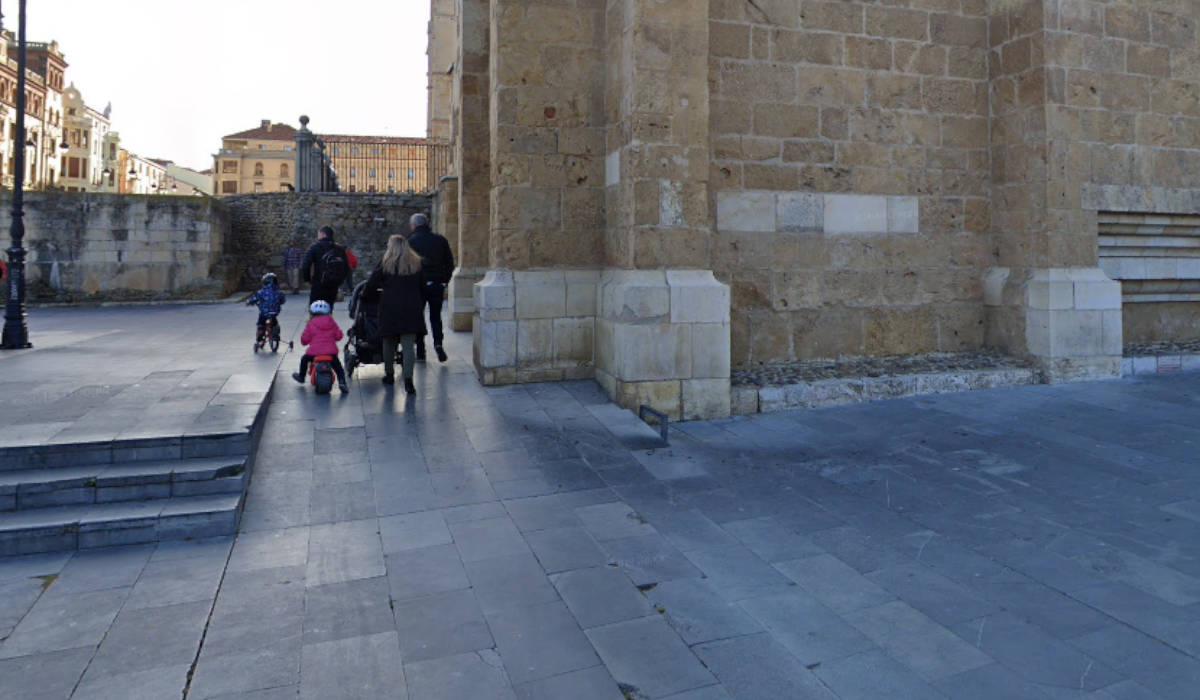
x=401 y=306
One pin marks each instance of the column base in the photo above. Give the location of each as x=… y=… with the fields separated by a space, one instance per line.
x=1068 y=320
x=460 y=296
x=653 y=337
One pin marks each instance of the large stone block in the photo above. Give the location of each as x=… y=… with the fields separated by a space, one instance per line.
x=745 y=211
x=540 y=294
x=535 y=341
x=800 y=212
x=855 y=214
x=495 y=343
x=697 y=297
x=704 y=399
x=635 y=295
x=574 y=340
x=710 y=350
x=652 y=351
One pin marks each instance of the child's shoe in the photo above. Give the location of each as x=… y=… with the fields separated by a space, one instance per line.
x=299 y=379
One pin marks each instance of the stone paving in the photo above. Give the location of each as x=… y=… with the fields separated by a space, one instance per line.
x=533 y=542
x=100 y=374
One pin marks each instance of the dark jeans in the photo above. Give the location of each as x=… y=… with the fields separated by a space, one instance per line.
x=263 y=317
x=328 y=294
x=435 y=294
x=337 y=367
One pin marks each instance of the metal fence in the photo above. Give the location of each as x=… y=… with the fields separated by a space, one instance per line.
x=393 y=165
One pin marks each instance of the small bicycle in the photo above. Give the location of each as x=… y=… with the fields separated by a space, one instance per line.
x=268 y=334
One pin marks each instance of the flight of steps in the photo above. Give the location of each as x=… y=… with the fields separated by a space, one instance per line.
x=84 y=495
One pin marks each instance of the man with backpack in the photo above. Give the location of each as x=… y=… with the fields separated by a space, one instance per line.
x=326 y=265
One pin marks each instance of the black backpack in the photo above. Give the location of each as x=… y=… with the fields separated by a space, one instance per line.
x=332 y=268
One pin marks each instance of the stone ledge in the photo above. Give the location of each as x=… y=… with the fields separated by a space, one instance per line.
x=1161 y=358
x=837 y=392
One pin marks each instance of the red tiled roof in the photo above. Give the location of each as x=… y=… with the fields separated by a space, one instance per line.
x=278 y=132
x=349 y=138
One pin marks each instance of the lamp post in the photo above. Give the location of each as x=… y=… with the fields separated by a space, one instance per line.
x=16 y=333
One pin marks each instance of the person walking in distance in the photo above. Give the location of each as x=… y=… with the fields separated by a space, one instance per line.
x=398 y=282
x=325 y=267
x=435 y=250
x=293 y=256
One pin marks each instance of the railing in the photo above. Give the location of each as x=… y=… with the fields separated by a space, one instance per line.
x=386 y=165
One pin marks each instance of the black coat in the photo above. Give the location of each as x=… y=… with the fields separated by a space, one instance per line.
x=401 y=303
x=435 y=252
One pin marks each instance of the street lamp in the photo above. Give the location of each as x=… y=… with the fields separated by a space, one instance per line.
x=16 y=333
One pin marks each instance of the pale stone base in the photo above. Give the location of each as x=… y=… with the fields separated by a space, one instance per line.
x=1067 y=319
x=653 y=337
x=460 y=296
x=535 y=325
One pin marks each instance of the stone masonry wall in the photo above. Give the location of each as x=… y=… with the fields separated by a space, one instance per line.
x=261 y=224
x=1123 y=118
x=850 y=174
x=547 y=128
x=104 y=247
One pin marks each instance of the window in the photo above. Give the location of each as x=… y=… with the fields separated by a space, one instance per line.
x=258 y=170
x=229 y=187
x=262 y=147
x=374 y=151
x=351 y=188
x=258 y=187
x=410 y=173
x=352 y=173
x=229 y=166
x=70 y=110
x=354 y=151
x=283 y=170
x=335 y=150
x=391 y=174
x=371 y=172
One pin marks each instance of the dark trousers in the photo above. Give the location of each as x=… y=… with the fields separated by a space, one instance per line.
x=435 y=294
x=337 y=367
x=328 y=294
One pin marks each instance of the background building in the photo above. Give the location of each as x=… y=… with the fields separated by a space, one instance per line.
x=262 y=160
x=181 y=180
x=256 y=160
x=89 y=162
x=44 y=75
x=143 y=175
x=379 y=163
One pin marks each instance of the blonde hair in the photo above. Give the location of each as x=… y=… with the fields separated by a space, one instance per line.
x=399 y=258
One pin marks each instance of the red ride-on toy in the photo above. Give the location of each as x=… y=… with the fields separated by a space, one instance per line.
x=320 y=373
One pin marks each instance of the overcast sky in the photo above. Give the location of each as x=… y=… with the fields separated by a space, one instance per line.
x=182 y=74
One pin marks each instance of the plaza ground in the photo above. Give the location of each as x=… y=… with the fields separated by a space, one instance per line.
x=536 y=541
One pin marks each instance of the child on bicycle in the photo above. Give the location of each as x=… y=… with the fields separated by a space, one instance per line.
x=321 y=336
x=270 y=300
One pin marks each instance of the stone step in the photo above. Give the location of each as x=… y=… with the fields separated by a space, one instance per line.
x=65 y=528
x=22 y=489
x=72 y=454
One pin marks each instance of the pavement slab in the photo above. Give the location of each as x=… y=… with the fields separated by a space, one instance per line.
x=535 y=541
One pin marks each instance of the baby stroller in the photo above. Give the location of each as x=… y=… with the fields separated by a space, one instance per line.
x=363 y=344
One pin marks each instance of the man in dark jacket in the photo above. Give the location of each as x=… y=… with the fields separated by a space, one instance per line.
x=325 y=267
x=438 y=268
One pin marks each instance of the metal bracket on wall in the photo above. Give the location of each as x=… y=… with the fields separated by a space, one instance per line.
x=660 y=416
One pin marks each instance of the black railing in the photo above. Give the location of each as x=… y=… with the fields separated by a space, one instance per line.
x=397 y=165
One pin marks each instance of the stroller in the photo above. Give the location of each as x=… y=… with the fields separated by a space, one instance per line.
x=363 y=344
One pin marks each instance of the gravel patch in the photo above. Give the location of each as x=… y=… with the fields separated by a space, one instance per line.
x=885 y=366
x=1166 y=347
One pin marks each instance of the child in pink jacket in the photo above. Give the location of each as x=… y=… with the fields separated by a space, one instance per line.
x=321 y=336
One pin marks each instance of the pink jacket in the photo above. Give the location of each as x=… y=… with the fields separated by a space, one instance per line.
x=321 y=335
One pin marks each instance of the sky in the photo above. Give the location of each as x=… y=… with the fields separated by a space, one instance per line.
x=181 y=74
